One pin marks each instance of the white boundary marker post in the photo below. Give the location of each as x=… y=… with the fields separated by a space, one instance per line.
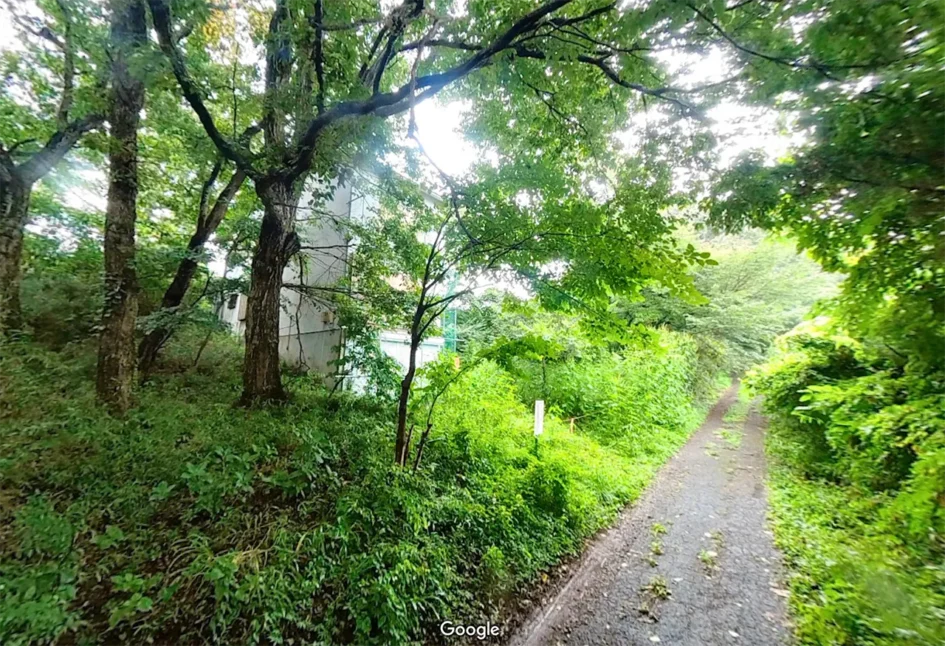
x=539 y=417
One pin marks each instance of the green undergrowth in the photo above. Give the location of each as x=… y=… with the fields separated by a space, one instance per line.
x=852 y=583
x=193 y=521
x=857 y=453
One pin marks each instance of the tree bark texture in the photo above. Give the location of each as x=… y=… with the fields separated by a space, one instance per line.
x=116 y=356
x=14 y=209
x=278 y=242
x=207 y=223
x=401 y=448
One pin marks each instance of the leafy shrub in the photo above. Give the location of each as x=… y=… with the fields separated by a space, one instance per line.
x=637 y=401
x=62 y=292
x=858 y=483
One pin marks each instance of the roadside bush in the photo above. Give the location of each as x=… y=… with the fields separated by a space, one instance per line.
x=637 y=401
x=858 y=483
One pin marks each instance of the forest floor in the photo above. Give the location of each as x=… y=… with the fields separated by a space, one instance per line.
x=692 y=563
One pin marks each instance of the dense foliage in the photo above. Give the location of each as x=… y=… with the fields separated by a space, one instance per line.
x=859 y=480
x=858 y=491
x=862 y=192
x=752 y=289
x=198 y=521
x=139 y=139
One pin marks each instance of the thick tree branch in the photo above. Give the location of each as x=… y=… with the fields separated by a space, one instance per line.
x=56 y=148
x=398 y=21
x=222 y=203
x=205 y=191
x=161 y=15
x=441 y=42
x=389 y=103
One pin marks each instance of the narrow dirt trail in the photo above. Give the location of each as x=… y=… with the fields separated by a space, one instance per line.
x=715 y=560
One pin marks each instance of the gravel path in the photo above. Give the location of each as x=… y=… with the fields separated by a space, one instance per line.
x=715 y=561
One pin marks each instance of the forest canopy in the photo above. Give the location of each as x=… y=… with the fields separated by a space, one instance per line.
x=611 y=207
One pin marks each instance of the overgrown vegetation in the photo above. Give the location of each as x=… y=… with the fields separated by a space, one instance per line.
x=859 y=400
x=158 y=156
x=198 y=521
x=754 y=289
x=858 y=487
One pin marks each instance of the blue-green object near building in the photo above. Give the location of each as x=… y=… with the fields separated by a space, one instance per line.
x=449 y=316
x=449 y=329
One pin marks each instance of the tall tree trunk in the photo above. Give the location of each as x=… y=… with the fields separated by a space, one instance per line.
x=400 y=446
x=14 y=207
x=277 y=243
x=207 y=223
x=116 y=355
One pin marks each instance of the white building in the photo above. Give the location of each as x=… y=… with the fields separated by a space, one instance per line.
x=310 y=336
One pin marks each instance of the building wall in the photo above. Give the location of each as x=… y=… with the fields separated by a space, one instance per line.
x=233 y=313
x=310 y=337
x=396 y=344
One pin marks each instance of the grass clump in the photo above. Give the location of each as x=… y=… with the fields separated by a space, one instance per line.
x=731 y=437
x=658 y=588
x=709 y=559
